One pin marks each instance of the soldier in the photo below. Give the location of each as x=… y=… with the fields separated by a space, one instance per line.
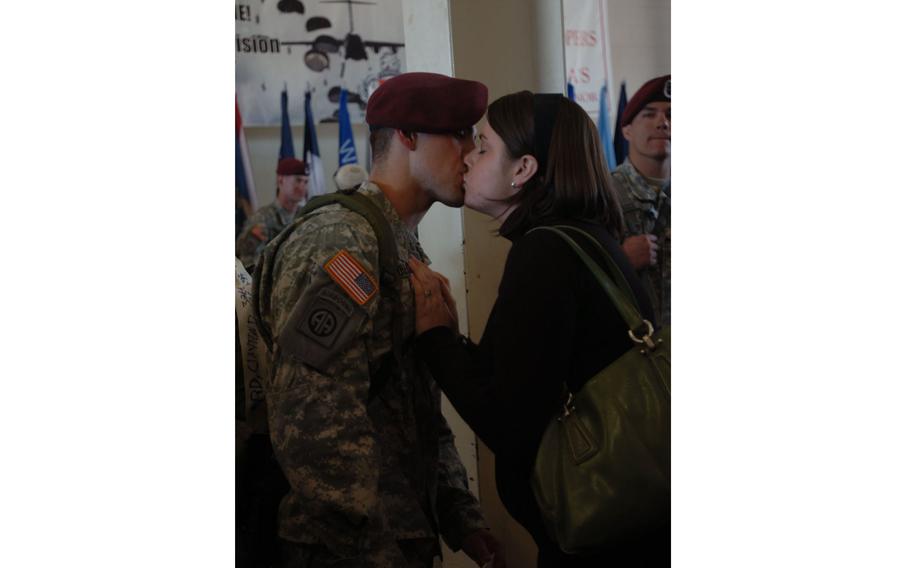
x=265 y=224
x=356 y=427
x=643 y=185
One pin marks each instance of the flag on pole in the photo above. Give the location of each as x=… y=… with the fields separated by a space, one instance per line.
x=620 y=144
x=311 y=151
x=287 y=140
x=603 y=126
x=570 y=91
x=347 y=152
x=244 y=188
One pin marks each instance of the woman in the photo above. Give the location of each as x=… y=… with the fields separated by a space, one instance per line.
x=538 y=161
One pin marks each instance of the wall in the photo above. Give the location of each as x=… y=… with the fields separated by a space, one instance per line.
x=639 y=33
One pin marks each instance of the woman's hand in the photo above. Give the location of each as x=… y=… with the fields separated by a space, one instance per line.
x=432 y=298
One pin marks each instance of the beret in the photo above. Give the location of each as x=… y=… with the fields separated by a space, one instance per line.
x=291 y=167
x=657 y=89
x=426 y=102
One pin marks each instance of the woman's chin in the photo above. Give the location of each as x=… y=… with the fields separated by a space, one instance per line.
x=479 y=207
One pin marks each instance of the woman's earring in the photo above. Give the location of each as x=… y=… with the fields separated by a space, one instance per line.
x=514 y=186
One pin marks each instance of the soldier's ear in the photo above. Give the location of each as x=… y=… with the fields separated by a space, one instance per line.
x=627 y=132
x=408 y=139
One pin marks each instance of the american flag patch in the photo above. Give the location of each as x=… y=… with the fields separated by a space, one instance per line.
x=348 y=273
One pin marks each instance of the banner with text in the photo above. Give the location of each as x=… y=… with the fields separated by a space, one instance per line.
x=587 y=50
x=316 y=46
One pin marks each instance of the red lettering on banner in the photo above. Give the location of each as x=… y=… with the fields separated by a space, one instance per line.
x=581 y=76
x=587 y=97
x=581 y=38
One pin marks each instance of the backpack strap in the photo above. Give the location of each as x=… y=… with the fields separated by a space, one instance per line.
x=389 y=284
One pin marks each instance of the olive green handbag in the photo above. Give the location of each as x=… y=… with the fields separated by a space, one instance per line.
x=602 y=474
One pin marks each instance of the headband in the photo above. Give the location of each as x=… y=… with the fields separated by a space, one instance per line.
x=545 y=107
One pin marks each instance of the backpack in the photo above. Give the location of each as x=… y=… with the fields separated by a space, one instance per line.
x=260 y=485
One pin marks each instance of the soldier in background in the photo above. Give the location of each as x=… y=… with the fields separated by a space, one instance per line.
x=265 y=224
x=357 y=428
x=643 y=185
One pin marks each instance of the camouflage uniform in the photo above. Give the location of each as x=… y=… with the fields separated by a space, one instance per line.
x=362 y=475
x=646 y=209
x=275 y=218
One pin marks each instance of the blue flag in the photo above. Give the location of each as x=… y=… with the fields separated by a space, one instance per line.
x=287 y=141
x=311 y=151
x=347 y=152
x=244 y=190
x=570 y=91
x=620 y=144
x=603 y=126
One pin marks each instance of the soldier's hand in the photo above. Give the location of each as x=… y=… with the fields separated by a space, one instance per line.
x=258 y=231
x=641 y=250
x=483 y=547
x=433 y=301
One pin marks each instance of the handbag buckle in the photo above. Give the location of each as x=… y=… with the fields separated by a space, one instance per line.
x=646 y=338
x=568 y=407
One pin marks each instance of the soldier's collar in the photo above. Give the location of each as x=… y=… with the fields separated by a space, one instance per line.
x=372 y=190
x=640 y=186
x=285 y=215
x=657 y=182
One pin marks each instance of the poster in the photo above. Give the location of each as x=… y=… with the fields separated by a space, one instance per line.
x=320 y=46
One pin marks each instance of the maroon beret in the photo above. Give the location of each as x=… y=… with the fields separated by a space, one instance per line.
x=291 y=167
x=657 y=89
x=426 y=102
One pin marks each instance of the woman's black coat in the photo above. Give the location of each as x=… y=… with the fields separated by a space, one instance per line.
x=551 y=323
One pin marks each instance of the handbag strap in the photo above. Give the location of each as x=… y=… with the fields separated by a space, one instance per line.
x=612 y=267
x=624 y=302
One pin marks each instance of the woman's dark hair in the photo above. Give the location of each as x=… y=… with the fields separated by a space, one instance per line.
x=575 y=182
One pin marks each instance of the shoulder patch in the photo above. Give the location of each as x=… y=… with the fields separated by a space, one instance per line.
x=319 y=329
x=350 y=275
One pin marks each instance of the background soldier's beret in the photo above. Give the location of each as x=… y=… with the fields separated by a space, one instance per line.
x=657 y=89
x=291 y=167
x=426 y=102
